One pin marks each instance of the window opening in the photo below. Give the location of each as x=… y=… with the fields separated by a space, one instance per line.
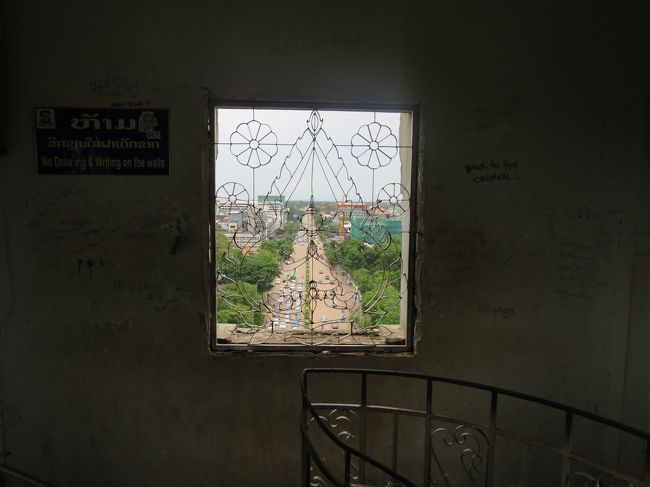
x=312 y=223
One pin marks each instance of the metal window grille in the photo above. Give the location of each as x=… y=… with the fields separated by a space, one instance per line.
x=313 y=225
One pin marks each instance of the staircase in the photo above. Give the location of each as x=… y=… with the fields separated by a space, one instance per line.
x=392 y=429
x=20 y=478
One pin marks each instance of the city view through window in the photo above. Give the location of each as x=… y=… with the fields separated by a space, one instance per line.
x=312 y=218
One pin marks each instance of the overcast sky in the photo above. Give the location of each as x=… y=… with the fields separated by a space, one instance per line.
x=288 y=126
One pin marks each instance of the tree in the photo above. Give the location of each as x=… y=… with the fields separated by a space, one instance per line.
x=386 y=309
x=234 y=305
x=376 y=270
x=259 y=269
x=223 y=243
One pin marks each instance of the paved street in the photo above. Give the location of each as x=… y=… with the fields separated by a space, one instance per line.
x=333 y=291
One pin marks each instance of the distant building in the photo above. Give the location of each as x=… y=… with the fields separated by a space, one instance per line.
x=225 y=207
x=346 y=213
x=248 y=242
x=241 y=223
x=273 y=210
x=248 y=223
x=221 y=222
x=367 y=229
x=237 y=220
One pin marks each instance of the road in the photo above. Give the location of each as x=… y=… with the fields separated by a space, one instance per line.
x=332 y=291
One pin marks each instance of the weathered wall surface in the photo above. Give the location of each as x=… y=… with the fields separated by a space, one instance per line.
x=526 y=283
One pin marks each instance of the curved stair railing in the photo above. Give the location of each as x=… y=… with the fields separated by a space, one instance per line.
x=503 y=438
x=19 y=478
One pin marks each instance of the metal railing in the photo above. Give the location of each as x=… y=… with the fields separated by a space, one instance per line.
x=21 y=477
x=380 y=442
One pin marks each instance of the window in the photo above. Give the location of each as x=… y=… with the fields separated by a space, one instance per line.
x=313 y=218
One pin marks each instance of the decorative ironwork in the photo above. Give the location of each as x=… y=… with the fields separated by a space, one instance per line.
x=293 y=278
x=231 y=196
x=374 y=145
x=393 y=199
x=582 y=479
x=253 y=144
x=316 y=479
x=458 y=452
x=472 y=446
x=344 y=424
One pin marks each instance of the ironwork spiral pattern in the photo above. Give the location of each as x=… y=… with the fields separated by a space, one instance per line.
x=344 y=423
x=583 y=479
x=472 y=445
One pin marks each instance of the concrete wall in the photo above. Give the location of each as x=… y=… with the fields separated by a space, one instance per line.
x=538 y=284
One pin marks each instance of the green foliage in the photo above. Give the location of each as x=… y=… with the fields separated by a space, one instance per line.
x=255 y=273
x=279 y=248
x=233 y=307
x=387 y=306
x=226 y=255
x=282 y=244
x=365 y=280
x=376 y=273
x=223 y=243
x=355 y=255
x=329 y=229
x=291 y=228
x=288 y=232
x=260 y=269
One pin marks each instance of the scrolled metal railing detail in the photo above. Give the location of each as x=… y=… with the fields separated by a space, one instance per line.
x=345 y=425
x=21 y=478
x=473 y=442
x=316 y=480
x=459 y=451
x=337 y=418
x=583 y=479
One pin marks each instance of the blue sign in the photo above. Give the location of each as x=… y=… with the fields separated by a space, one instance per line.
x=108 y=141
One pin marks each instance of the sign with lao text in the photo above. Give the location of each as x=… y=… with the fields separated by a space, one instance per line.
x=110 y=141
